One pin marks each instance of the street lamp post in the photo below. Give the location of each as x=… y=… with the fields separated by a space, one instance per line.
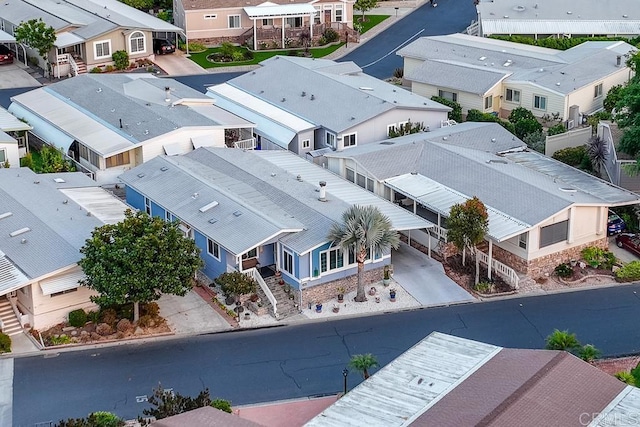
x=396 y=8
x=345 y=374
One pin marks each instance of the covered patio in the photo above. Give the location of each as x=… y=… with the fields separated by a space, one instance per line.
x=290 y=17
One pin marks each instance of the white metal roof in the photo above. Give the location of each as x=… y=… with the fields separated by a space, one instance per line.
x=409 y=385
x=279 y=10
x=344 y=190
x=11 y=278
x=10 y=123
x=6 y=37
x=67 y=39
x=623 y=407
x=62 y=283
x=517 y=26
x=99 y=202
x=440 y=198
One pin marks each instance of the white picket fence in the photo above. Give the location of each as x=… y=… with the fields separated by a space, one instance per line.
x=507 y=273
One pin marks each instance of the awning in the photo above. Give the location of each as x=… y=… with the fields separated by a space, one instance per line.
x=45 y=131
x=280 y=10
x=172 y=149
x=11 y=278
x=67 y=39
x=439 y=198
x=62 y=283
x=10 y=123
x=6 y=37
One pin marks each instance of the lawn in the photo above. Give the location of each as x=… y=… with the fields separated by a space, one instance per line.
x=370 y=21
x=258 y=56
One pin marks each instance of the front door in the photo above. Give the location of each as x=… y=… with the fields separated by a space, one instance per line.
x=327 y=16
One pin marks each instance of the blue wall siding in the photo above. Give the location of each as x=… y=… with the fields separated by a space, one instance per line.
x=267 y=256
x=212 y=267
x=157 y=210
x=315 y=258
x=134 y=198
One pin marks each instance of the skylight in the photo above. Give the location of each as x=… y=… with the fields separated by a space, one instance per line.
x=19 y=232
x=208 y=206
x=59 y=180
x=6 y=215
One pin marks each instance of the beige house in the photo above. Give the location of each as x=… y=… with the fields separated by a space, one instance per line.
x=496 y=76
x=13 y=139
x=263 y=25
x=88 y=32
x=541 y=212
x=44 y=221
x=111 y=123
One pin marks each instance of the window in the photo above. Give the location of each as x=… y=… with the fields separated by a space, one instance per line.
x=316 y=17
x=401 y=126
x=451 y=96
x=136 y=42
x=147 y=206
x=68 y=291
x=213 y=249
x=168 y=216
x=294 y=22
x=370 y=184
x=351 y=175
x=331 y=140
x=331 y=259
x=597 y=90
x=349 y=140
x=554 y=233
x=287 y=261
x=118 y=160
x=306 y=143
x=253 y=253
x=267 y=22
x=94 y=159
x=3 y=156
x=338 y=13
x=522 y=240
x=234 y=21
x=102 y=49
x=488 y=102
x=211 y=16
x=361 y=180
x=513 y=95
x=540 y=102
x=391 y=129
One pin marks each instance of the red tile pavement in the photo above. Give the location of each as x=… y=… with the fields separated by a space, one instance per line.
x=285 y=414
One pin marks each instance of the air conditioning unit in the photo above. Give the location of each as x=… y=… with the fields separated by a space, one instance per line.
x=571 y=124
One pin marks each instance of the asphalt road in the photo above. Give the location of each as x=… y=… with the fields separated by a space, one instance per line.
x=306 y=359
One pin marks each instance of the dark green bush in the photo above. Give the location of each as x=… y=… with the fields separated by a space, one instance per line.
x=94 y=316
x=520 y=113
x=5 y=343
x=248 y=55
x=629 y=272
x=236 y=283
x=525 y=127
x=571 y=156
x=331 y=35
x=564 y=270
x=77 y=318
x=556 y=129
x=455 y=113
x=562 y=43
x=96 y=70
x=120 y=59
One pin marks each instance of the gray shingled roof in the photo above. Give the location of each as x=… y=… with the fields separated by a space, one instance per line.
x=331 y=91
x=57 y=229
x=525 y=185
x=456 y=61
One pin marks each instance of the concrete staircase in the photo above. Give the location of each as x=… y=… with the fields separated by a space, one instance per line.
x=286 y=307
x=82 y=66
x=11 y=325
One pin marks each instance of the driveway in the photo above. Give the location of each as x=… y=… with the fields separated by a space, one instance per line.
x=191 y=314
x=424 y=278
x=620 y=253
x=16 y=75
x=178 y=64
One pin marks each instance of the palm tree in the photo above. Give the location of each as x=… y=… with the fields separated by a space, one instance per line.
x=363 y=362
x=364 y=230
x=562 y=340
x=597 y=151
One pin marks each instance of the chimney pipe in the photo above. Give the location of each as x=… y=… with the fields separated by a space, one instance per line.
x=618 y=60
x=167 y=94
x=120 y=123
x=323 y=191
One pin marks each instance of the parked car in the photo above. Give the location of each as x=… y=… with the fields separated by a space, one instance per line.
x=615 y=224
x=163 y=46
x=630 y=242
x=6 y=56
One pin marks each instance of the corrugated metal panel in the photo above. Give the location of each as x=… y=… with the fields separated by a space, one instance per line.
x=173 y=149
x=62 y=283
x=67 y=39
x=100 y=203
x=516 y=26
x=440 y=199
x=10 y=123
x=44 y=130
x=624 y=409
x=11 y=278
x=409 y=385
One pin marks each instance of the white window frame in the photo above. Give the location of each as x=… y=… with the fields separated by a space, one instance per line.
x=523 y=240
x=3 y=156
x=597 y=90
x=515 y=95
x=291 y=21
x=327 y=256
x=137 y=39
x=488 y=102
x=540 y=99
x=338 y=8
x=210 y=16
x=444 y=94
x=250 y=254
x=306 y=143
x=167 y=216
x=95 y=49
x=391 y=128
x=267 y=21
x=288 y=261
x=147 y=206
x=332 y=137
x=229 y=23
x=317 y=17
x=351 y=137
x=213 y=247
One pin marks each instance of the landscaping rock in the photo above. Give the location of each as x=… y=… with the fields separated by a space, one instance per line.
x=104 y=329
x=138 y=331
x=68 y=328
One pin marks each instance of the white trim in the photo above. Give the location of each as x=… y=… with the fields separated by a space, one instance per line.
x=214 y=244
x=95 y=50
x=229 y=21
x=144 y=43
x=347 y=135
x=306 y=143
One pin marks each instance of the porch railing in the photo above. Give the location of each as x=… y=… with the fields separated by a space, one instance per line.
x=22 y=318
x=74 y=65
x=245 y=144
x=507 y=273
x=255 y=275
x=440 y=232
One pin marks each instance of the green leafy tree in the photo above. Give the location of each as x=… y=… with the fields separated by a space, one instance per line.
x=120 y=59
x=536 y=141
x=363 y=363
x=223 y=405
x=167 y=403
x=613 y=97
x=139 y=4
x=557 y=129
x=456 y=109
x=37 y=35
x=628 y=118
x=467 y=225
x=562 y=340
x=236 y=283
x=96 y=419
x=137 y=260
x=520 y=113
x=53 y=160
x=363 y=6
x=364 y=229
x=526 y=126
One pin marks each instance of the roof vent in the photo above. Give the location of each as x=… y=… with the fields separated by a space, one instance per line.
x=146 y=131
x=194 y=196
x=19 y=232
x=299 y=178
x=509 y=62
x=284 y=99
x=237 y=213
x=6 y=215
x=569 y=12
x=99 y=90
x=167 y=94
x=208 y=206
x=36 y=182
x=303 y=94
x=140 y=175
x=414 y=173
x=365 y=88
x=519 y=8
x=625 y=16
x=164 y=169
x=568 y=190
x=482 y=58
x=323 y=191
x=58 y=180
x=313 y=97
x=558 y=84
x=23 y=241
x=506 y=16
x=493 y=140
x=65 y=201
x=212 y=221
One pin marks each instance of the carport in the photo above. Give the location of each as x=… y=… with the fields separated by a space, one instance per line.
x=8 y=38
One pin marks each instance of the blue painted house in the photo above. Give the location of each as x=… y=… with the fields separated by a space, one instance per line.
x=259 y=209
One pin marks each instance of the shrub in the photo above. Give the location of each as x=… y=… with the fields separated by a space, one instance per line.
x=629 y=272
x=109 y=316
x=248 y=55
x=572 y=156
x=105 y=419
x=227 y=49
x=536 y=141
x=331 y=35
x=564 y=270
x=625 y=377
x=237 y=56
x=520 y=113
x=526 y=126
x=124 y=325
x=598 y=258
x=146 y=321
x=151 y=308
x=109 y=69
x=398 y=73
x=93 y=316
x=77 y=318
x=562 y=340
x=60 y=339
x=483 y=287
x=196 y=47
x=588 y=352
x=27 y=161
x=556 y=129
x=104 y=329
x=221 y=404
x=322 y=41
x=95 y=70
x=120 y=59
x=5 y=343
x=455 y=113
x=236 y=283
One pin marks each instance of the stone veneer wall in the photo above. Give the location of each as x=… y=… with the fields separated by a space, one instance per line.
x=329 y=291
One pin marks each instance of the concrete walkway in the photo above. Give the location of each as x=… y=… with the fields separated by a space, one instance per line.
x=190 y=315
x=6 y=392
x=424 y=278
x=178 y=64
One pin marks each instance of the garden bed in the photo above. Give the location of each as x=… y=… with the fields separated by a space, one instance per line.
x=464 y=275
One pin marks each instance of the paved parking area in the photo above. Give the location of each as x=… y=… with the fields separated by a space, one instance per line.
x=191 y=314
x=622 y=254
x=424 y=278
x=178 y=64
x=16 y=75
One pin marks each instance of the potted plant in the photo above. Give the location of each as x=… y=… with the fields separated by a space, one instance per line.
x=386 y=278
x=254 y=297
x=318 y=307
x=281 y=282
x=287 y=289
x=392 y=294
x=372 y=291
x=340 y=294
x=336 y=308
